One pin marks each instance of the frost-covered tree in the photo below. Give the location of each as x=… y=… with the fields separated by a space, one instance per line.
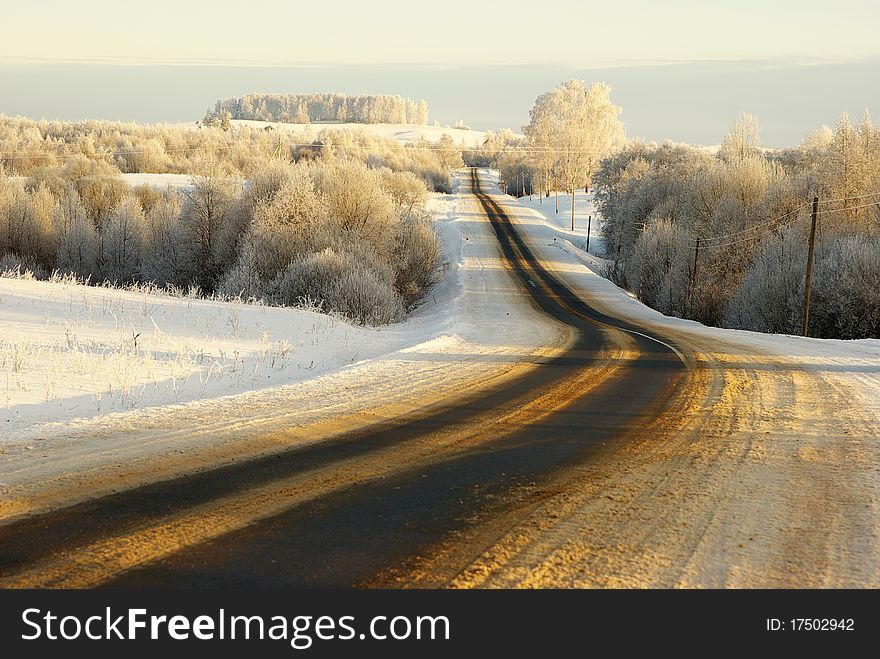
x=847 y=171
x=168 y=253
x=846 y=294
x=407 y=190
x=770 y=297
x=77 y=237
x=302 y=108
x=358 y=204
x=206 y=218
x=243 y=279
x=658 y=268
x=26 y=223
x=122 y=242
x=448 y=152
x=289 y=222
x=581 y=125
x=743 y=139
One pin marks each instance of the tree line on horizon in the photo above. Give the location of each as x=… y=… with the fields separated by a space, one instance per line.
x=325 y=107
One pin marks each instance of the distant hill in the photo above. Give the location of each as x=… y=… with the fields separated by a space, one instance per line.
x=303 y=108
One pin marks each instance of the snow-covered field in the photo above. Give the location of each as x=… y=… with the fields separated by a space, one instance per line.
x=402 y=132
x=159 y=181
x=70 y=351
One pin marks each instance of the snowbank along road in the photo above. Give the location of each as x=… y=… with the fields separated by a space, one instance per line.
x=631 y=452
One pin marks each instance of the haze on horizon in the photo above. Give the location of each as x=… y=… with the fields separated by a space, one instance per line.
x=681 y=69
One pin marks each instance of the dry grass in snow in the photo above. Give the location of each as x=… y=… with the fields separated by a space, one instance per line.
x=70 y=350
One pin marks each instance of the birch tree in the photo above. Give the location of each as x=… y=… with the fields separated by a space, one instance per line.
x=581 y=125
x=743 y=138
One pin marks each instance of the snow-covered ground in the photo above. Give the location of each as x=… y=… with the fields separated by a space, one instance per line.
x=71 y=351
x=402 y=132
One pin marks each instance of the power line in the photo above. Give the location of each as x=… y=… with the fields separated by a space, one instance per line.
x=751 y=238
x=850 y=208
x=780 y=226
x=124 y=152
x=754 y=227
x=775 y=225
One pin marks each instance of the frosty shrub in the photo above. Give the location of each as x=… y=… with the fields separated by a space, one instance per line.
x=339 y=282
x=417 y=254
x=770 y=297
x=243 y=279
x=657 y=269
x=846 y=289
x=247 y=221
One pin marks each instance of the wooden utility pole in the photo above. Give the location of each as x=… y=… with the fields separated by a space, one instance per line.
x=809 y=283
x=589 y=222
x=572 y=209
x=557 y=198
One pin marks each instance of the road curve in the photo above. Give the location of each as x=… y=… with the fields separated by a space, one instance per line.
x=414 y=501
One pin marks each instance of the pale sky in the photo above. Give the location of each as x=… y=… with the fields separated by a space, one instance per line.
x=450 y=32
x=794 y=64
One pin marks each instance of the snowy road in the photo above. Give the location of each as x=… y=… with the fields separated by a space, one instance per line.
x=633 y=451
